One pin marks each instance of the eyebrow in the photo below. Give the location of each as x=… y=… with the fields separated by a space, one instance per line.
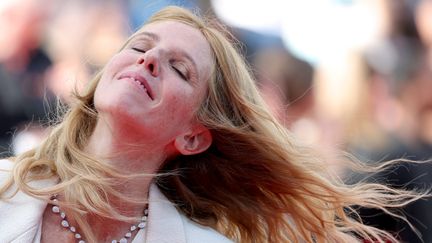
x=156 y=38
x=150 y=35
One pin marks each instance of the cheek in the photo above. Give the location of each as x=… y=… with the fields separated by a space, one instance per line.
x=180 y=110
x=185 y=102
x=117 y=63
x=101 y=100
x=104 y=90
x=183 y=110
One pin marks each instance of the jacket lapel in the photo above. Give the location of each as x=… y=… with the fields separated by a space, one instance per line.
x=21 y=215
x=165 y=224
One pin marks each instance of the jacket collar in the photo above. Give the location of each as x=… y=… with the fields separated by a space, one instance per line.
x=20 y=216
x=165 y=223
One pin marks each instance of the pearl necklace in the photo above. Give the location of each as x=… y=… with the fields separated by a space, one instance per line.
x=65 y=223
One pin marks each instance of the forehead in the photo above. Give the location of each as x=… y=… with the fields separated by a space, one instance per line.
x=180 y=37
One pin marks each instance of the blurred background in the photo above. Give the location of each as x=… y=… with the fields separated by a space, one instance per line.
x=352 y=75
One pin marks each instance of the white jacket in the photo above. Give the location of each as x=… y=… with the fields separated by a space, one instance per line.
x=21 y=218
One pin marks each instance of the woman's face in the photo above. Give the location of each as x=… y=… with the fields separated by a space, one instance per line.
x=154 y=86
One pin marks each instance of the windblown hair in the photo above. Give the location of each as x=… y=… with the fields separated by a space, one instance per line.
x=254 y=184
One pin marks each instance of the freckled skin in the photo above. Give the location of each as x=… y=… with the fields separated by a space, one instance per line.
x=128 y=117
x=176 y=100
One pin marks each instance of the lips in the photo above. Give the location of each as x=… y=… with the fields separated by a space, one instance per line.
x=140 y=80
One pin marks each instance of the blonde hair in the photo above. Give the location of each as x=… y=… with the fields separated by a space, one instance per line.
x=254 y=184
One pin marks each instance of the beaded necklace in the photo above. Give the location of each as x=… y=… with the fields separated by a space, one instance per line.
x=65 y=223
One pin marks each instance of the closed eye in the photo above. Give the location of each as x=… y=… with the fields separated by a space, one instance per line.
x=138 y=49
x=182 y=75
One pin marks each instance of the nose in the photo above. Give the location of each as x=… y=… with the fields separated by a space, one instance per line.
x=150 y=63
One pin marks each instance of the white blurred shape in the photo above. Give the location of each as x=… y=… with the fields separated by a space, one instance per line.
x=315 y=30
x=24 y=141
x=256 y=15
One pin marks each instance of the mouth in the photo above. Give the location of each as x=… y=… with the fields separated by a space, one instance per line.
x=140 y=81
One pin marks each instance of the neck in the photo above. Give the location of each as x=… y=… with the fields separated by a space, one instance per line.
x=118 y=149
x=122 y=150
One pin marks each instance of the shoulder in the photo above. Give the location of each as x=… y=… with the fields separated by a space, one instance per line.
x=164 y=217
x=5 y=164
x=20 y=213
x=5 y=169
x=196 y=233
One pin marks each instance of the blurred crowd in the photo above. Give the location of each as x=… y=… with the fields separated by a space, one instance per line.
x=373 y=100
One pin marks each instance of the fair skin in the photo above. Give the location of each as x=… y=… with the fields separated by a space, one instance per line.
x=146 y=101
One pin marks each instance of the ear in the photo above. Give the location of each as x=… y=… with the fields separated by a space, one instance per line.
x=195 y=142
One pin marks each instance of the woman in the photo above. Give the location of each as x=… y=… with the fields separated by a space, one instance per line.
x=174 y=123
